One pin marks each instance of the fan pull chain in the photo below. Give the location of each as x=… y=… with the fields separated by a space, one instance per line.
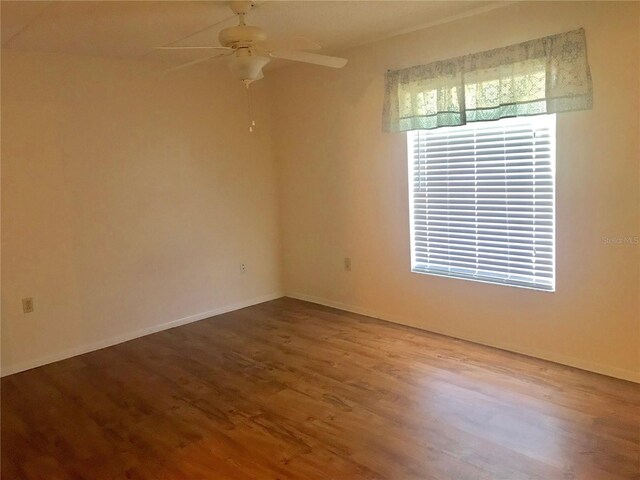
x=252 y=122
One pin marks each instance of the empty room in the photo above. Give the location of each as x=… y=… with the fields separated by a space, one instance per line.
x=311 y=240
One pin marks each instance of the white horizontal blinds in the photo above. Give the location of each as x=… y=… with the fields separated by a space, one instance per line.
x=483 y=201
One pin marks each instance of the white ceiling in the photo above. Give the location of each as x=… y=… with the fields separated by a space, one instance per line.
x=131 y=29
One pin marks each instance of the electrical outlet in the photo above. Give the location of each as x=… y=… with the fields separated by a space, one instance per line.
x=347 y=264
x=243 y=267
x=27 y=305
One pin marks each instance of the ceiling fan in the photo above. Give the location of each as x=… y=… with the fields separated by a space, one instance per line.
x=248 y=52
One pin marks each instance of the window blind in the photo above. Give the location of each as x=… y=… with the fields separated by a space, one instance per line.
x=482 y=200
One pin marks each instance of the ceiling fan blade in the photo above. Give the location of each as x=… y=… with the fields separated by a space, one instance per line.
x=193 y=48
x=314 y=58
x=193 y=62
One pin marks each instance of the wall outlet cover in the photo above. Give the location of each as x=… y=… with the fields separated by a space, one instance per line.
x=27 y=305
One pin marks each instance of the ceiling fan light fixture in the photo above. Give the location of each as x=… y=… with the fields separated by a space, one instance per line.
x=247 y=68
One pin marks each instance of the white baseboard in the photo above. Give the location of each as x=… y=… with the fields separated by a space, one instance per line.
x=72 y=352
x=610 y=371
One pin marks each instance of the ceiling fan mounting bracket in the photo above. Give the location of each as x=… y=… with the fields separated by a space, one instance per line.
x=242 y=8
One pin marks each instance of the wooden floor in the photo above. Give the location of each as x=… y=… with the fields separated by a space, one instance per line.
x=293 y=390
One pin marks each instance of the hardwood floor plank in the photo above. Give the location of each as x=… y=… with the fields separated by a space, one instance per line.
x=293 y=390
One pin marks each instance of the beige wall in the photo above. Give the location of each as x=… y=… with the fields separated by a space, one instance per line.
x=343 y=193
x=128 y=202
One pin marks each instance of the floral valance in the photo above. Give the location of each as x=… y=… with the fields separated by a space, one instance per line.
x=547 y=75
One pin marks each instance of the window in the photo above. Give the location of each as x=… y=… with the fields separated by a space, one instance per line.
x=482 y=201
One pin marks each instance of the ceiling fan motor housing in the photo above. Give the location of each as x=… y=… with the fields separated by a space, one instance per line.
x=241 y=36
